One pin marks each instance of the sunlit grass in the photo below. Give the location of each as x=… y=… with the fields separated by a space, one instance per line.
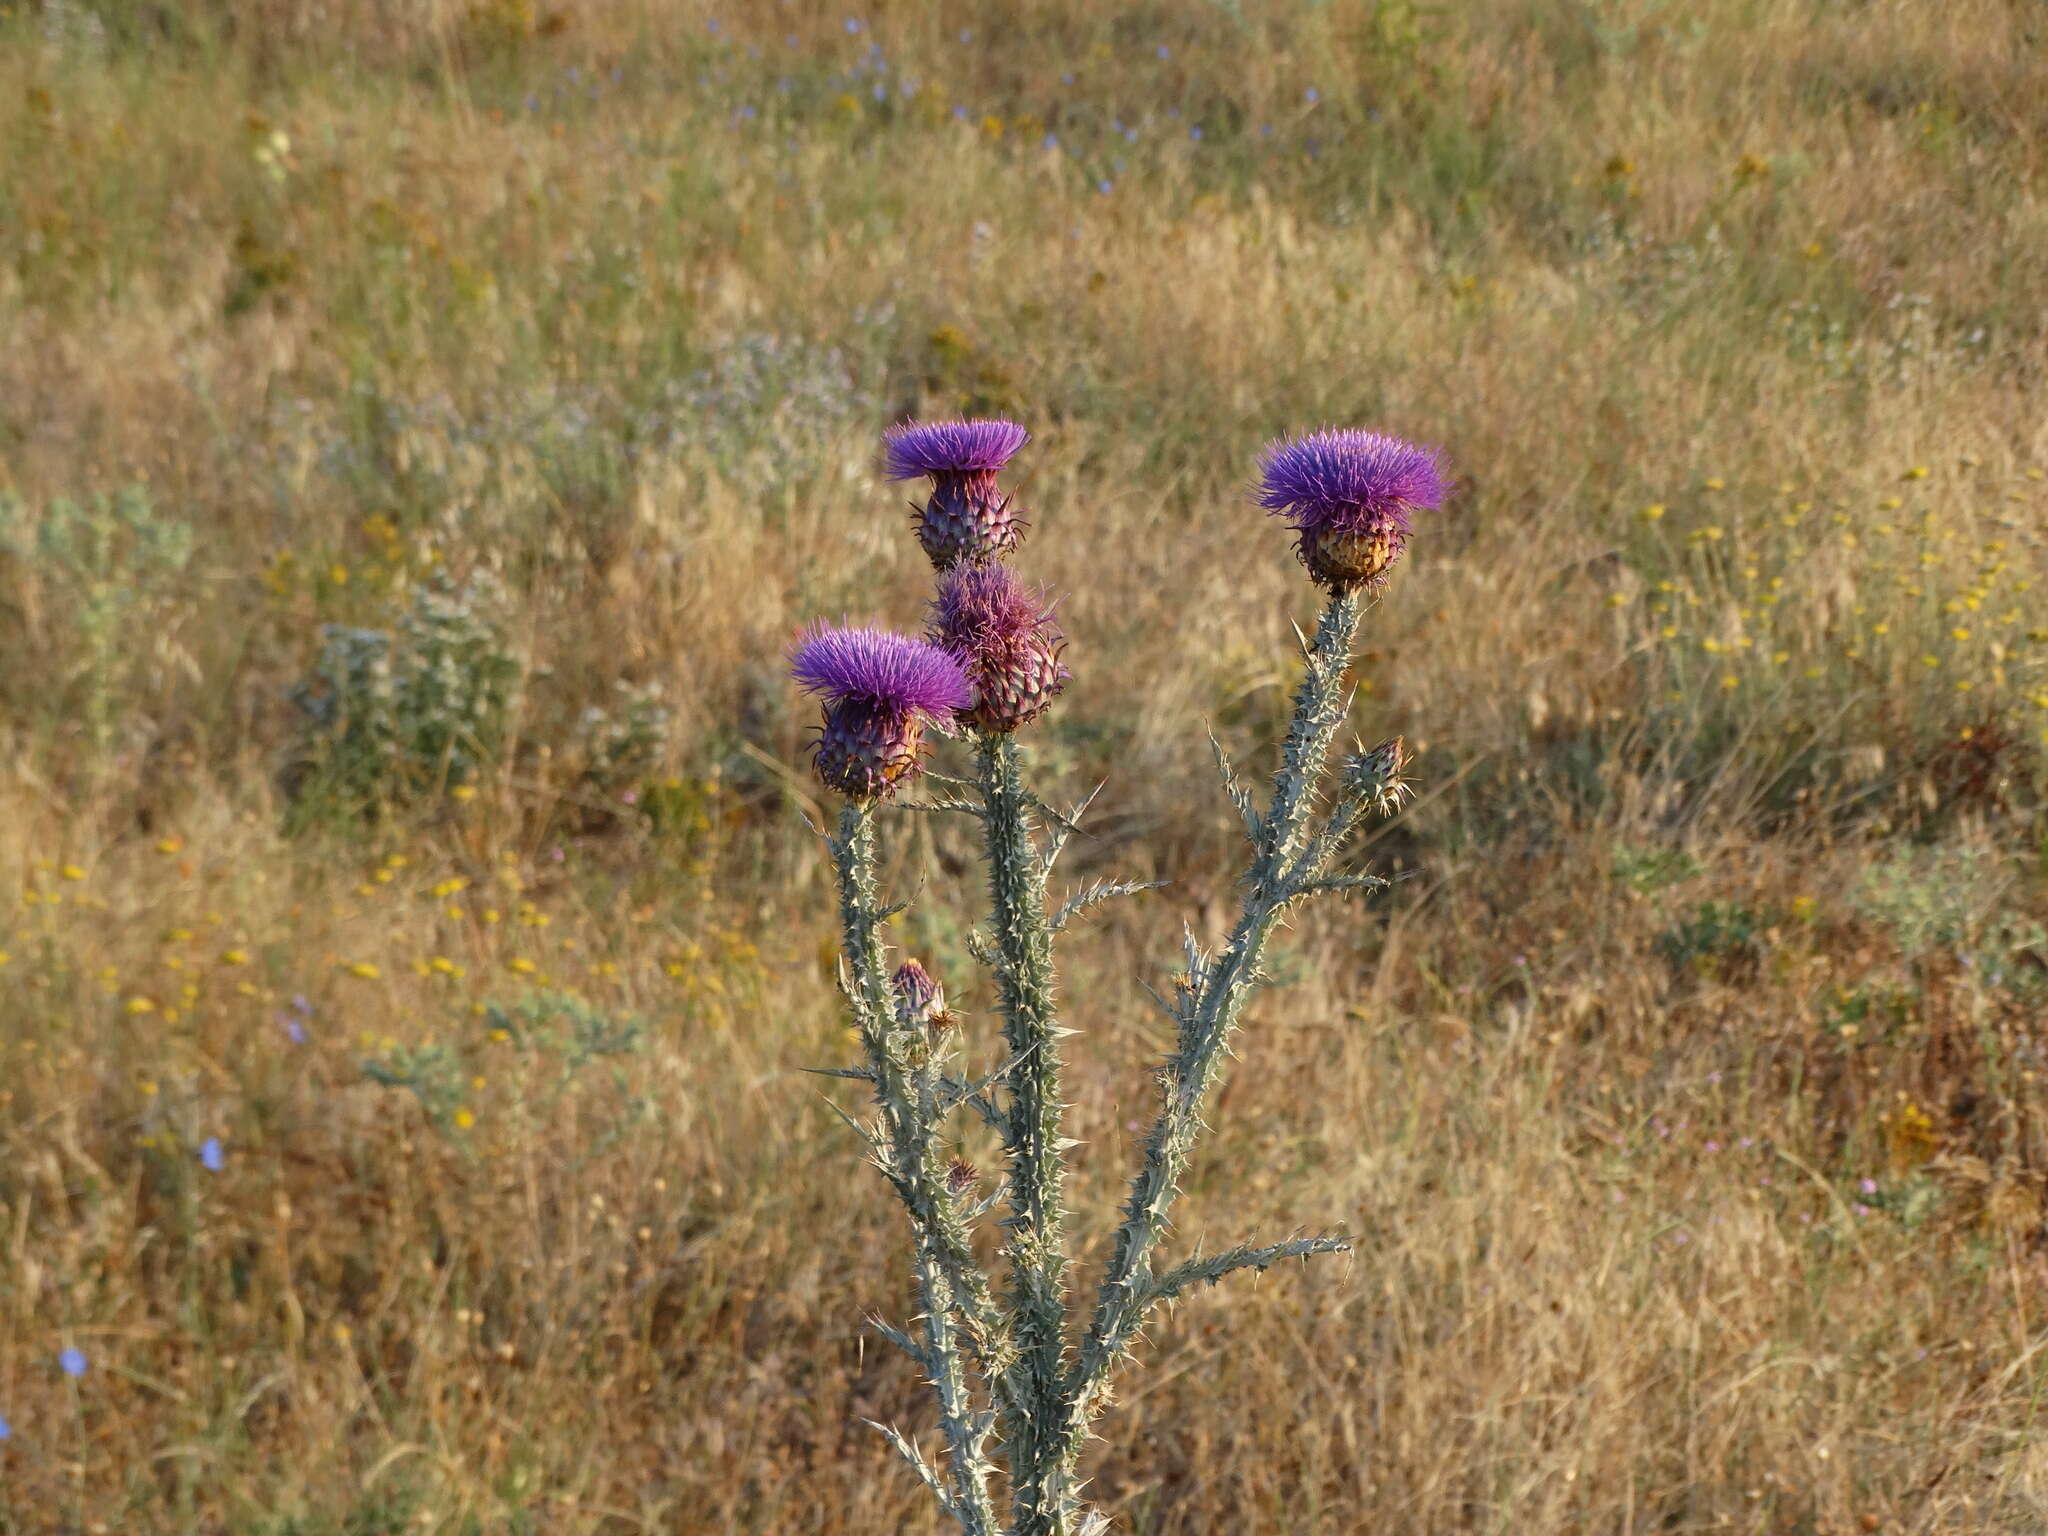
x=1685 y=1098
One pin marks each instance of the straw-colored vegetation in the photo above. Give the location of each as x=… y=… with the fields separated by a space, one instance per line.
x=400 y=1116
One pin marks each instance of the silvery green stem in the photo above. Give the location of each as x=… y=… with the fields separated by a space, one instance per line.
x=950 y=1286
x=1037 y=1251
x=1206 y=1010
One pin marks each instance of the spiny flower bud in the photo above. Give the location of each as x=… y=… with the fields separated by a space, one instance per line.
x=1005 y=639
x=962 y=1176
x=1349 y=497
x=967 y=520
x=1376 y=777
x=881 y=690
x=918 y=997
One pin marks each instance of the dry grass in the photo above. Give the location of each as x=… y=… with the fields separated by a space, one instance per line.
x=1684 y=1099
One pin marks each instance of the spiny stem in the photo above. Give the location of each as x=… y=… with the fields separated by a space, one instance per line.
x=946 y=1288
x=1208 y=1012
x=1037 y=1242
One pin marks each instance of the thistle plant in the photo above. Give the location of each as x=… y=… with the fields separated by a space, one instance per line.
x=1022 y=1368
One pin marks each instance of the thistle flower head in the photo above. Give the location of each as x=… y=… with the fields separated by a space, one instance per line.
x=1377 y=778
x=961 y=1176
x=1004 y=637
x=881 y=689
x=1349 y=496
x=918 y=996
x=967 y=520
x=940 y=448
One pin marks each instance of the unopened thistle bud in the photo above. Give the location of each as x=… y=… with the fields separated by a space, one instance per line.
x=1376 y=777
x=961 y=1177
x=1005 y=639
x=1349 y=496
x=881 y=689
x=967 y=520
x=918 y=997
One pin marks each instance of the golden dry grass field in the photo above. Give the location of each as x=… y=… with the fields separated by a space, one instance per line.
x=400 y=1023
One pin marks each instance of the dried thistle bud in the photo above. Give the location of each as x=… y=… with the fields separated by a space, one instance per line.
x=961 y=1177
x=1005 y=639
x=967 y=520
x=1378 y=777
x=1349 y=496
x=918 y=997
x=881 y=690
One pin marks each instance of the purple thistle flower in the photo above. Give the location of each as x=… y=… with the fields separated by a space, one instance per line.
x=881 y=690
x=967 y=520
x=1005 y=638
x=1349 y=495
x=918 y=996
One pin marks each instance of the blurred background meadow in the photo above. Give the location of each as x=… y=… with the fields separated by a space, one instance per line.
x=423 y=423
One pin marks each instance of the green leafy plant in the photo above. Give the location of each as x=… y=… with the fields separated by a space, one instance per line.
x=422 y=706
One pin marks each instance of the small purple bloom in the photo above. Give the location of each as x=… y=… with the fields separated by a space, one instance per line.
x=960 y=113
x=1005 y=638
x=1164 y=51
x=1067 y=77
x=210 y=1155
x=1052 y=141
x=6 y=1429
x=1105 y=186
x=294 y=1030
x=881 y=92
x=966 y=34
x=853 y=25
x=72 y=1361
x=1350 y=496
x=1867 y=1186
x=1312 y=95
x=1195 y=133
x=881 y=689
x=919 y=997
